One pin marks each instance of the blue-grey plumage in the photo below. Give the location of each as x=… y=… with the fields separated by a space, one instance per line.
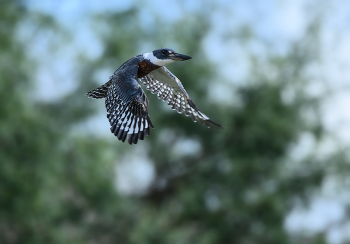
x=126 y=102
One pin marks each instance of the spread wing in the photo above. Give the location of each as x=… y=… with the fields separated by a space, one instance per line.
x=169 y=88
x=128 y=119
x=126 y=105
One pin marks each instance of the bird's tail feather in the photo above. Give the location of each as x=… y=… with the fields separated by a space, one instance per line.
x=99 y=92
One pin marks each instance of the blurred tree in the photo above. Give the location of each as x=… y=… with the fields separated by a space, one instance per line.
x=237 y=188
x=43 y=170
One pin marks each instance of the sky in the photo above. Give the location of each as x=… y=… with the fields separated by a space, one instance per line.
x=278 y=22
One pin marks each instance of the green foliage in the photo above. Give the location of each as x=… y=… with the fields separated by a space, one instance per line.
x=59 y=188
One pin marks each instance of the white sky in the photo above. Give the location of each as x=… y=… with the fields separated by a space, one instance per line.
x=276 y=21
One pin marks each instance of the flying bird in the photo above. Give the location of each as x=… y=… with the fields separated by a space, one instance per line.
x=126 y=102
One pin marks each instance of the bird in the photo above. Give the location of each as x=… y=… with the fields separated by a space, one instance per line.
x=127 y=103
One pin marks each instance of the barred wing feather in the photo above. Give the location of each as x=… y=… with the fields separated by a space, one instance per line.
x=169 y=88
x=128 y=117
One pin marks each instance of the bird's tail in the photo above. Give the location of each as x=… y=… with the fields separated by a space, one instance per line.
x=100 y=92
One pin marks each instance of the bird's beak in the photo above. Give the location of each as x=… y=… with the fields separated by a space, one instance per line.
x=179 y=57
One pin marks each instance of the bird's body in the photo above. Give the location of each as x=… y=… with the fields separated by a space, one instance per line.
x=126 y=102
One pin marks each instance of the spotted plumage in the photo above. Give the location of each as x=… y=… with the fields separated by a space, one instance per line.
x=127 y=104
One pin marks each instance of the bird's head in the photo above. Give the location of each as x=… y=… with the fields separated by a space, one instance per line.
x=164 y=56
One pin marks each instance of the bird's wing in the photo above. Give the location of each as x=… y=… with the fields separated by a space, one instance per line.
x=127 y=113
x=169 y=88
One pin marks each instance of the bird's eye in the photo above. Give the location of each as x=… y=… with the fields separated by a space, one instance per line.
x=164 y=52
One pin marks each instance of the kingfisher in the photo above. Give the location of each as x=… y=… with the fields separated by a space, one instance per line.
x=127 y=103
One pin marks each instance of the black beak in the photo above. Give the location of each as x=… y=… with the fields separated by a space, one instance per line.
x=179 y=57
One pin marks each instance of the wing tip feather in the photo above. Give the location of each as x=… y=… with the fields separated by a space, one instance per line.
x=216 y=124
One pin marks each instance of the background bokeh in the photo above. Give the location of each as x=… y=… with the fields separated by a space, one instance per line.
x=275 y=73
